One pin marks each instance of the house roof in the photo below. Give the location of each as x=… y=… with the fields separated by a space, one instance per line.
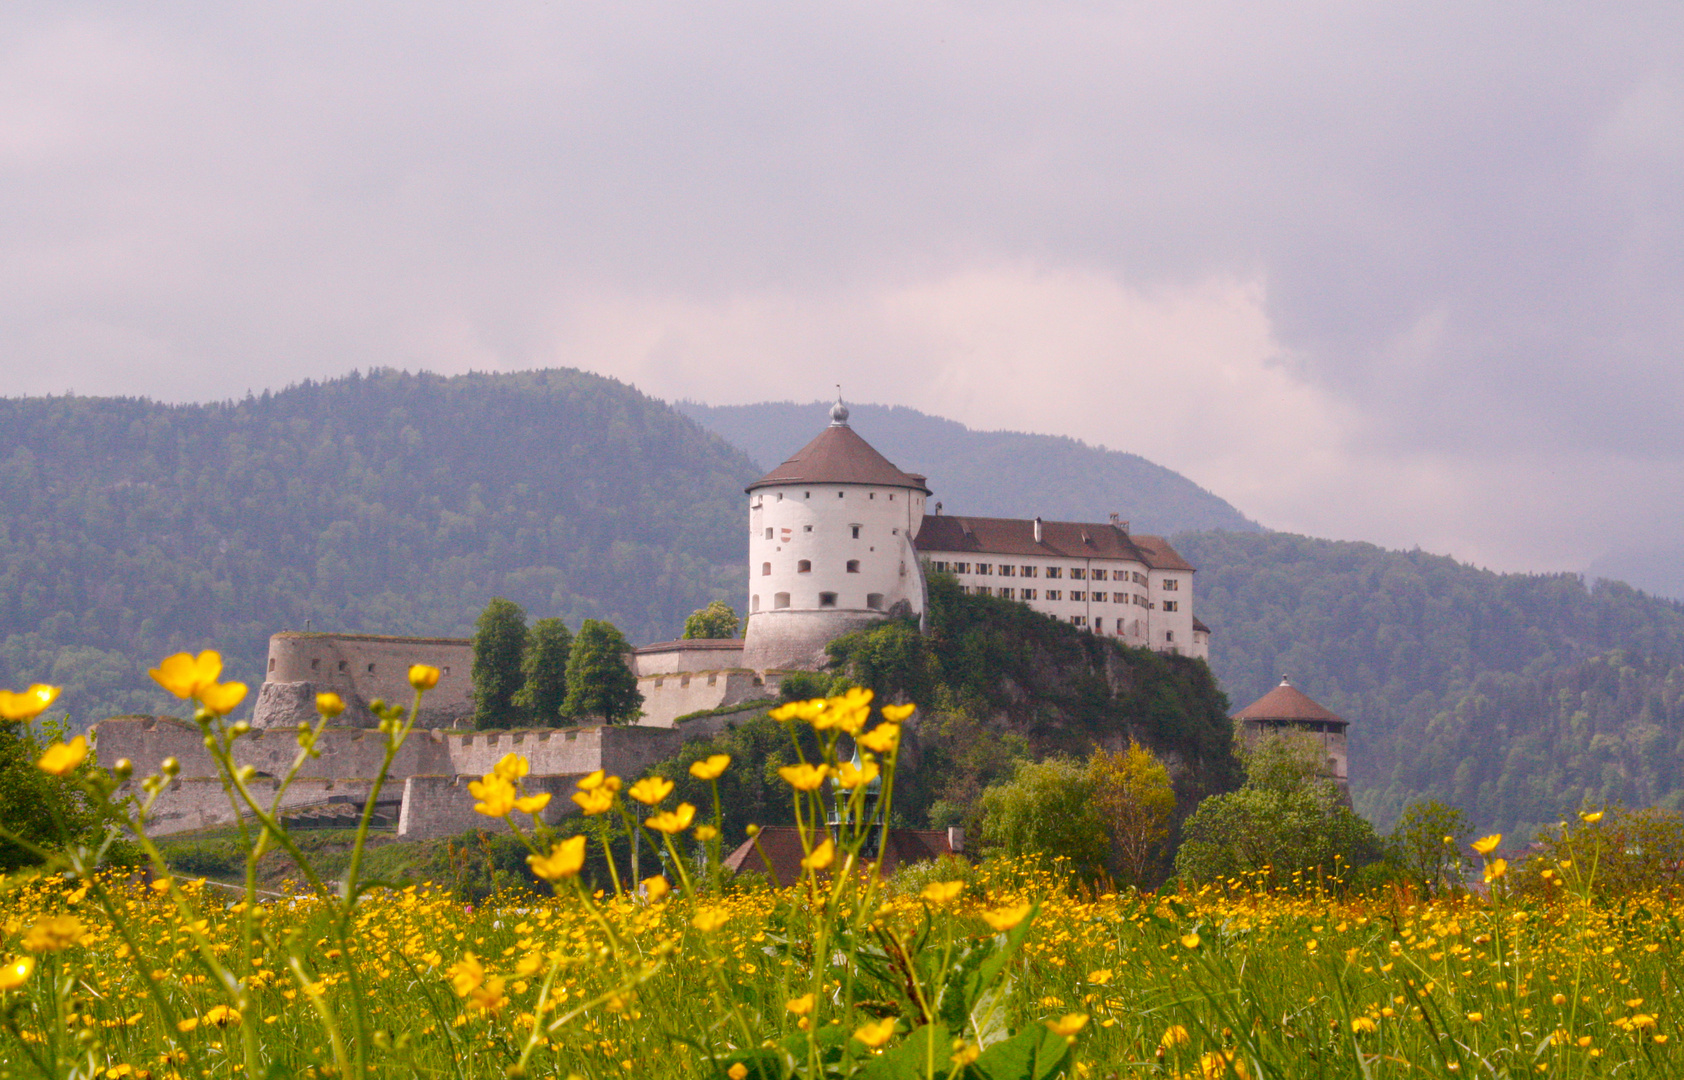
x=839 y=456
x=1059 y=539
x=782 y=845
x=1286 y=702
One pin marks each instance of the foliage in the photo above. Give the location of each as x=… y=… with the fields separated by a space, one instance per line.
x=1132 y=793
x=1285 y=823
x=806 y=685
x=1427 y=844
x=499 y=648
x=1047 y=809
x=543 y=669
x=752 y=792
x=717 y=620
x=911 y=879
x=1606 y=855
x=599 y=684
x=38 y=810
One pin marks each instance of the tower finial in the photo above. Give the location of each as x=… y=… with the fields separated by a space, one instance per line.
x=839 y=411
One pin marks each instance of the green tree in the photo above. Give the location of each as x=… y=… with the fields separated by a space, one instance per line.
x=544 y=671
x=39 y=809
x=1428 y=842
x=1046 y=809
x=598 y=681
x=1135 y=799
x=499 y=650
x=717 y=620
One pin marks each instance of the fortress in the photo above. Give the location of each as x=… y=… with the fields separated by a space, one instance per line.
x=839 y=537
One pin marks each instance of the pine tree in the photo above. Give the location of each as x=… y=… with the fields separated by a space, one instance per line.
x=544 y=671
x=599 y=684
x=499 y=648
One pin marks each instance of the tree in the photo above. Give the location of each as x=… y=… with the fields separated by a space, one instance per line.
x=717 y=620
x=544 y=671
x=1046 y=809
x=499 y=649
x=1428 y=842
x=37 y=807
x=1135 y=799
x=598 y=681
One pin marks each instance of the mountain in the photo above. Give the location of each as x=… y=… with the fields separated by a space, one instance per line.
x=987 y=473
x=381 y=503
x=1456 y=680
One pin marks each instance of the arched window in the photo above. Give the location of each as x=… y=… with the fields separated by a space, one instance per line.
x=765 y=569
x=853 y=566
x=804 y=567
x=780 y=600
x=754 y=603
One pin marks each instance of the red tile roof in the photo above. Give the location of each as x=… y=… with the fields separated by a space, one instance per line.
x=839 y=456
x=1286 y=702
x=1059 y=539
x=782 y=844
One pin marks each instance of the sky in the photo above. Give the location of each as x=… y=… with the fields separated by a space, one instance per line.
x=1411 y=274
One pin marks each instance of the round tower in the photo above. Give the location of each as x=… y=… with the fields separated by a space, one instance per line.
x=830 y=547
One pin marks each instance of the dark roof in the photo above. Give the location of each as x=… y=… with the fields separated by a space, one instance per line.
x=1198 y=624
x=684 y=644
x=840 y=456
x=1059 y=539
x=782 y=844
x=1286 y=702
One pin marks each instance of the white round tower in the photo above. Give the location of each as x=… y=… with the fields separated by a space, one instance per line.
x=830 y=547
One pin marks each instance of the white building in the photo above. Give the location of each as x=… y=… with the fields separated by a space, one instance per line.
x=1101 y=578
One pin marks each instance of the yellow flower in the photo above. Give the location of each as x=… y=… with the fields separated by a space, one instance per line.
x=512 y=767
x=29 y=704
x=710 y=768
x=1100 y=977
x=329 y=704
x=881 y=739
x=1190 y=941
x=1495 y=869
x=673 y=821
x=651 y=790
x=850 y=777
x=1222 y=1063
x=1003 y=919
x=489 y=997
x=894 y=714
x=942 y=892
x=592 y=781
x=466 y=974
x=564 y=860
x=1174 y=1035
x=704 y=833
x=876 y=1033
x=222 y=698
x=61 y=758
x=737 y=1071
x=798 y=710
x=54 y=932
x=711 y=918
x=594 y=801
x=1485 y=845
x=1591 y=819
x=1558 y=999
x=185 y=675
x=656 y=888
x=1643 y=1021
x=802 y=1005
x=821 y=857
x=531 y=804
x=1363 y=1025
x=423 y=676
x=1068 y=1024
x=804 y=777
x=965 y=1054
x=1475 y=1017
x=16 y=972
x=221 y=1016
x=184 y=1026
x=496 y=795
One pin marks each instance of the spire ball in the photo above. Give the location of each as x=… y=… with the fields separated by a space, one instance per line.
x=838 y=411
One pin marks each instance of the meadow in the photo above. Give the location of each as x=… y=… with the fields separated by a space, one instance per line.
x=1005 y=970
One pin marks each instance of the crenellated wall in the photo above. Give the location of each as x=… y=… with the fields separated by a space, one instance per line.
x=361 y=668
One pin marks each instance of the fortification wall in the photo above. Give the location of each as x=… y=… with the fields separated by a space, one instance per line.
x=345 y=753
x=667 y=697
x=697 y=654
x=438 y=806
x=796 y=640
x=193 y=803
x=361 y=668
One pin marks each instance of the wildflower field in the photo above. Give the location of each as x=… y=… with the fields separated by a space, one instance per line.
x=1008 y=972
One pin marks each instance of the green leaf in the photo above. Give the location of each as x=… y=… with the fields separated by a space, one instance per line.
x=1032 y=1054
x=913 y=1058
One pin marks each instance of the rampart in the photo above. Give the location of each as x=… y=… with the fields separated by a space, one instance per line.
x=361 y=668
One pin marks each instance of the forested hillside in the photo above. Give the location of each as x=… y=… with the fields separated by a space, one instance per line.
x=1459 y=683
x=386 y=503
x=988 y=473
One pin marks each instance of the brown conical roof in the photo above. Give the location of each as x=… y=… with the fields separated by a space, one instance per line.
x=1286 y=702
x=840 y=456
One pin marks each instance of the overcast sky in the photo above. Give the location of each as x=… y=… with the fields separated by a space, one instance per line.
x=1405 y=273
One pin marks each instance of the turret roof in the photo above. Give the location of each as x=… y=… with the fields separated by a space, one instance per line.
x=1286 y=702
x=839 y=456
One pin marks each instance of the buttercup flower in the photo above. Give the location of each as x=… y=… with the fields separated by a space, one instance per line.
x=1363 y=1025
x=16 y=972
x=496 y=795
x=894 y=714
x=423 y=676
x=564 y=860
x=29 y=704
x=1100 y=977
x=711 y=918
x=656 y=888
x=221 y=1016
x=512 y=767
x=1591 y=819
x=710 y=768
x=594 y=801
x=804 y=777
x=1174 y=1035
x=821 y=857
x=466 y=974
x=704 y=833
x=1190 y=941
x=650 y=790
x=1495 y=869
x=531 y=804
x=61 y=758
x=942 y=892
x=184 y=675
x=1485 y=845
x=329 y=704
x=876 y=1033
x=1003 y=919
x=54 y=932
x=592 y=781
x=222 y=698
x=1068 y=1024
x=802 y=1005
x=673 y=821
x=881 y=739
x=851 y=777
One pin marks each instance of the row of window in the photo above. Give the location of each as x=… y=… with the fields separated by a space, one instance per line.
x=874 y=601
x=1080 y=596
x=345 y=667
x=853 y=529
x=805 y=566
x=779 y=496
x=1077 y=573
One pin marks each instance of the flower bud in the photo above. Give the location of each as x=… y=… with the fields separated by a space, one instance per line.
x=170 y=766
x=123 y=769
x=238 y=728
x=753 y=831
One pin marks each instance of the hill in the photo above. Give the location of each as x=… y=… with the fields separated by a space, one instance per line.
x=1437 y=664
x=988 y=473
x=385 y=503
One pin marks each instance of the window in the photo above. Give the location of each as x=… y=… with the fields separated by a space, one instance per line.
x=1172 y=605
x=856 y=531
x=806 y=528
x=1078 y=596
x=1006 y=594
x=839 y=494
x=941 y=567
x=874 y=601
x=806 y=494
x=1028 y=594
x=344 y=665
x=1007 y=571
x=754 y=603
x=271 y=663
x=1029 y=571
x=1055 y=571
x=1169 y=635
x=1139 y=578
x=853 y=566
x=1054 y=594
x=1099 y=597
x=1170 y=584
x=805 y=566
x=780 y=496
x=1140 y=601
x=903 y=568
x=1078 y=620
x=984 y=568
x=1099 y=626
x=873 y=495
x=765 y=569
x=780 y=600
x=1099 y=575
x=371 y=669
x=1078 y=574
x=983 y=590
x=315 y=665
x=961 y=568
x=768 y=532
x=827 y=599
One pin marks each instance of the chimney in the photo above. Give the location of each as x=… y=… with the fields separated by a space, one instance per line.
x=956 y=839
x=1037 y=530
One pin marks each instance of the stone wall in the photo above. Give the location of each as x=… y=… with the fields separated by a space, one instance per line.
x=667 y=697
x=192 y=803
x=360 y=668
x=796 y=640
x=438 y=806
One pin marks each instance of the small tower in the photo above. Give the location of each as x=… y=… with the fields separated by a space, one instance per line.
x=1287 y=708
x=830 y=547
